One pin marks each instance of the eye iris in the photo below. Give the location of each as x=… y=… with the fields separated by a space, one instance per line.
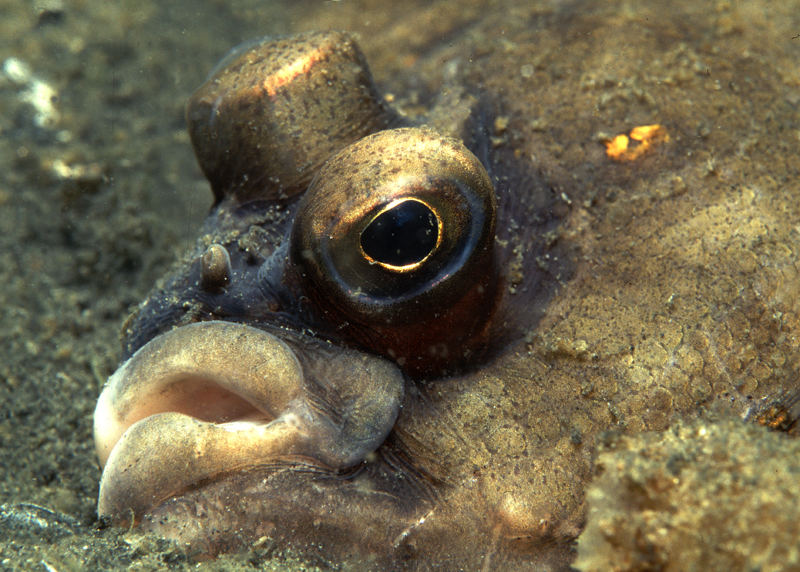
x=401 y=235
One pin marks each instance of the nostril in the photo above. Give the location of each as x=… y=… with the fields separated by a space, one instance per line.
x=215 y=268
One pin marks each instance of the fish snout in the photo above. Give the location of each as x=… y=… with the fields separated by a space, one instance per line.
x=205 y=400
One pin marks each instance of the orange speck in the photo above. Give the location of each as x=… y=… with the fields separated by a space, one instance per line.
x=617 y=146
x=289 y=72
x=645 y=132
x=620 y=149
x=408 y=60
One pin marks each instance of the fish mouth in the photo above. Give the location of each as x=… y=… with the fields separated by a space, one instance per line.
x=213 y=398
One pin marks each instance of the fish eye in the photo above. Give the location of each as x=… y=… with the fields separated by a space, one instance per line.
x=402 y=235
x=393 y=243
x=250 y=138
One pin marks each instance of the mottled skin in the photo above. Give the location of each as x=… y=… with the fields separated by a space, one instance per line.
x=487 y=465
x=427 y=483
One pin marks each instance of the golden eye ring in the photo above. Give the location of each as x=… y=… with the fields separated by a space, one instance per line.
x=436 y=223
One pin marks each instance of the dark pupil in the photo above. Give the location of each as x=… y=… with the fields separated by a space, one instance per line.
x=402 y=235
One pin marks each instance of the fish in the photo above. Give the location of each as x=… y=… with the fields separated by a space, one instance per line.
x=266 y=399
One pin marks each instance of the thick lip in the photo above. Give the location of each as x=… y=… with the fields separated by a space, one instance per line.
x=212 y=398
